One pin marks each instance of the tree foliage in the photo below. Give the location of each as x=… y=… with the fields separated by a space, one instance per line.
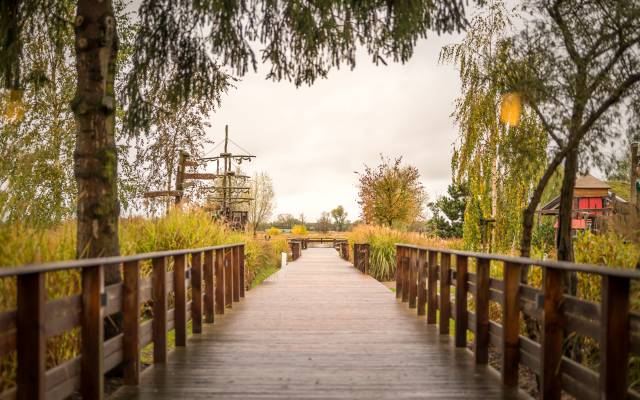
x=339 y=216
x=263 y=203
x=448 y=211
x=390 y=194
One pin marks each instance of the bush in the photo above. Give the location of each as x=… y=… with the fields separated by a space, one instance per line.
x=273 y=231
x=299 y=230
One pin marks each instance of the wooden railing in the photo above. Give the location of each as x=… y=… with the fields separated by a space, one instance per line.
x=361 y=257
x=212 y=276
x=296 y=248
x=424 y=277
x=343 y=249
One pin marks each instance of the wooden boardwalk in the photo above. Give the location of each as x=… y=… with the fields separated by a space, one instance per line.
x=321 y=330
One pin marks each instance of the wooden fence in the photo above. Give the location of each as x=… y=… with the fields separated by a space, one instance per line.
x=199 y=282
x=424 y=277
x=361 y=257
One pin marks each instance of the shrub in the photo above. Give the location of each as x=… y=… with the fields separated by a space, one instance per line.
x=273 y=231
x=299 y=230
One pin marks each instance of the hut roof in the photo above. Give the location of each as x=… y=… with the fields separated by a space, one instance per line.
x=590 y=182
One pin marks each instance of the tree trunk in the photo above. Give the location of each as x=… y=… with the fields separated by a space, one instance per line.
x=95 y=154
x=564 y=241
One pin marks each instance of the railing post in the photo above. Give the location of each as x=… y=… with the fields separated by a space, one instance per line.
x=511 y=324
x=413 y=277
x=445 y=292
x=196 y=292
x=356 y=255
x=220 y=284
x=367 y=256
x=209 y=291
x=552 y=334
x=405 y=275
x=159 y=323
x=614 y=338
x=461 y=302
x=481 y=337
x=131 y=323
x=180 y=293
x=228 y=278
x=422 y=282
x=92 y=349
x=235 y=265
x=241 y=257
x=399 y=251
x=432 y=299
x=31 y=337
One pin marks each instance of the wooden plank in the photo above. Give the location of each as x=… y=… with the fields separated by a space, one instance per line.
x=196 y=292
x=131 y=323
x=406 y=275
x=445 y=293
x=209 y=288
x=92 y=364
x=422 y=282
x=159 y=310
x=180 y=293
x=614 y=339
x=481 y=341
x=432 y=299
x=235 y=264
x=399 y=250
x=461 y=301
x=511 y=324
x=242 y=272
x=552 y=334
x=228 y=278
x=31 y=339
x=207 y=176
x=413 y=277
x=220 y=284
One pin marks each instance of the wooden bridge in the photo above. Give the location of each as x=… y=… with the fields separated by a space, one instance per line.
x=319 y=329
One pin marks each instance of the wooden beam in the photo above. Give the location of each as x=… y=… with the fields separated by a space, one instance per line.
x=481 y=341
x=398 y=272
x=180 y=292
x=422 y=282
x=220 y=284
x=209 y=291
x=92 y=361
x=511 y=324
x=31 y=337
x=131 y=322
x=413 y=277
x=614 y=338
x=159 y=324
x=242 y=271
x=445 y=293
x=196 y=292
x=236 y=272
x=432 y=293
x=462 y=316
x=552 y=334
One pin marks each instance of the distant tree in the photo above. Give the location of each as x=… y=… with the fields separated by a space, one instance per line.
x=287 y=221
x=261 y=208
x=323 y=224
x=339 y=216
x=390 y=194
x=448 y=211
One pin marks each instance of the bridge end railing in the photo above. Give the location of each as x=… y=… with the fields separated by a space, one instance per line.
x=424 y=277
x=213 y=275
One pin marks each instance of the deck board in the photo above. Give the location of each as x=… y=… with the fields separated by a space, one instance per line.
x=320 y=330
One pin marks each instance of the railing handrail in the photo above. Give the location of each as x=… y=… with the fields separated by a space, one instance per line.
x=563 y=265
x=9 y=271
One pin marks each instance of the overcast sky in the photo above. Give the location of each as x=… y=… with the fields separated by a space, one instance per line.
x=310 y=140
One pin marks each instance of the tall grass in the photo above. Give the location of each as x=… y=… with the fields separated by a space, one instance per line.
x=382 y=240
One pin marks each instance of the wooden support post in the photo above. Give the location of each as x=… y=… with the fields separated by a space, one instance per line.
x=552 y=334
x=413 y=277
x=92 y=349
x=432 y=294
x=220 y=284
x=614 y=338
x=131 y=322
x=422 y=282
x=241 y=255
x=399 y=251
x=445 y=293
x=367 y=258
x=159 y=323
x=196 y=292
x=481 y=341
x=462 y=317
x=31 y=337
x=235 y=264
x=405 y=275
x=356 y=255
x=180 y=292
x=228 y=278
x=208 y=287
x=511 y=324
